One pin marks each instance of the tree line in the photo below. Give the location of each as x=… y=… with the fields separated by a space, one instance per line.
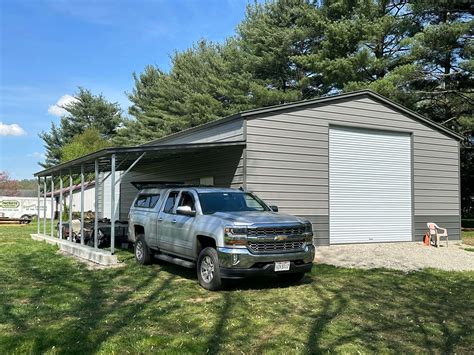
x=417 y=53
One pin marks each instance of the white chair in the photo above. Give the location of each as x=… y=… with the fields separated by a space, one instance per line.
x=437 y=232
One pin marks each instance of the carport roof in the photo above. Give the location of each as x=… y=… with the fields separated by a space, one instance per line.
x=126 y=156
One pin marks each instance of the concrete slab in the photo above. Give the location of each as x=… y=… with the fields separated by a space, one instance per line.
x=99 y=256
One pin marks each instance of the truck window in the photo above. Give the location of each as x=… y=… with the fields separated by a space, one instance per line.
x=212 y=202
x=187 y=200
x=147 y=200
x=170 y=202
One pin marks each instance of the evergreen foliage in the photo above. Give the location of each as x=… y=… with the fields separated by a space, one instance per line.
x=87 y=111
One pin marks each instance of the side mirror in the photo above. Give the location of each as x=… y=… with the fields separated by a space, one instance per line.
x=274 y=208
x=185 y=211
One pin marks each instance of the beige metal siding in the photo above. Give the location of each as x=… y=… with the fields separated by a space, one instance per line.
x=225 y=165
x=287 y=159
x=224 y=132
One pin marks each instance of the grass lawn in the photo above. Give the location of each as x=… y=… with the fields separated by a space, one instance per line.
x=53 y=304
x=468 y=238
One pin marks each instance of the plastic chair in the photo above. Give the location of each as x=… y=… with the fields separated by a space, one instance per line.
x=435 y=232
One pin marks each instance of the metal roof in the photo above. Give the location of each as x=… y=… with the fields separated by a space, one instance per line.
x=313 y=102
x=126 y=156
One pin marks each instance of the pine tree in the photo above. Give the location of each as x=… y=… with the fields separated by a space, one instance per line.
x=203 y=84
x=86 y=111
x=273 y=38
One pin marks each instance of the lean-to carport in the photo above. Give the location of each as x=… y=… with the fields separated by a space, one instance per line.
x=109 y=161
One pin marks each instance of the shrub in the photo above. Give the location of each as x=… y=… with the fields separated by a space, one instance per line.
x=467 y=223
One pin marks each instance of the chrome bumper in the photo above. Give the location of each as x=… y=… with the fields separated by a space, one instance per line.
x=241 y=258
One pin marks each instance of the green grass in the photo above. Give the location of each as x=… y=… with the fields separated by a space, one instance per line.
x=53 y=304
x=468 y=237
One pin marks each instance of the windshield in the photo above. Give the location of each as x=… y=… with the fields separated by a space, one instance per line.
x=212 y=202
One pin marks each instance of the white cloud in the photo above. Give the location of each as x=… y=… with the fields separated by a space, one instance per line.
x=11 y=130
x=36 y=155
x=57 y=108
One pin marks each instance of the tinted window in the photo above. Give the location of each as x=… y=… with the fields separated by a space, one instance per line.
x=229 y=202
x=153 y=200
x=170 y=201
x=147 y=200
x=187 y=200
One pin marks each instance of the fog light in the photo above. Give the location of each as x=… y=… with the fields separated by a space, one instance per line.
x=235 y=259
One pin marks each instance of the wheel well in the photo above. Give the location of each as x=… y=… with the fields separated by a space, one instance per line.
x=204 y=242
x=138 y=230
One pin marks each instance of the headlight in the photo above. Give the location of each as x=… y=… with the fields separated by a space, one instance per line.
x=235 y=236
x=308 y=231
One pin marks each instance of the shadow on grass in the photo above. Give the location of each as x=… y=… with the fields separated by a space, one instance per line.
x=251 y=283
x=53 y=301
x=95 y=311
x=391 y=311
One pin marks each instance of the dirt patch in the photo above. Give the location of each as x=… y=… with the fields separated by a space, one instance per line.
x=91 y=265
x=203 y=299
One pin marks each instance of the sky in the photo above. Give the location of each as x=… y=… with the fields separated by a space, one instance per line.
x=49 y=48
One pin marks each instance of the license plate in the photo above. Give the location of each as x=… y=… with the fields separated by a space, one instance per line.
x=282 y=265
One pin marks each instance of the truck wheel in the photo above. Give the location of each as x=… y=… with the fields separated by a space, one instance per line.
x=208 y=270
x=25 y=219
x=142 y=252
x=291 y=278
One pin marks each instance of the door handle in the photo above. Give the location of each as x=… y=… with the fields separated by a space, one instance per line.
x=160 y=219
x=173 y=221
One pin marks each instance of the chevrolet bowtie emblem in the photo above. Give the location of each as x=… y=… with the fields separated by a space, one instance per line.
x=279 y=238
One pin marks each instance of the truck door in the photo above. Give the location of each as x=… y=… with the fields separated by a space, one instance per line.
x=166 y=218
x=182 y=231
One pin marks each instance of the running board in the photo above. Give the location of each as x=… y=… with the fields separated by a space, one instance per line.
x=177 y=261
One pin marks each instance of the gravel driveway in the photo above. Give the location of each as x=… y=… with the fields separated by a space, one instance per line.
x=399 y=256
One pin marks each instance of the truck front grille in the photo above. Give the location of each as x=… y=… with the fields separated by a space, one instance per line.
x=262 y=247
x=274 y=231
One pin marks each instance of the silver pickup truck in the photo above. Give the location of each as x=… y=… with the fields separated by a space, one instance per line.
x=224 y=233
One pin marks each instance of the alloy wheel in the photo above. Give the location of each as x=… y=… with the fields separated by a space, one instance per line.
x=207 y=269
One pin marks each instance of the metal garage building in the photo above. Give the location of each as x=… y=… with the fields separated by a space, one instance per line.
x=360 y=167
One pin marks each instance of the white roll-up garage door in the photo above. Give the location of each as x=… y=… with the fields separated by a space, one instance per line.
x=369 y=186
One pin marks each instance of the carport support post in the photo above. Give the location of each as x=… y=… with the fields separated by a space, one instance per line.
x=96 y=202
x=82 y=204
x=70 y=205
x=60 y=206
x=38 y=217
x=45 y=209
x=52 y=206
x=112 y=202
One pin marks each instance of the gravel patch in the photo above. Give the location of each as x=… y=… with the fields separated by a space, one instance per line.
x=399 y=256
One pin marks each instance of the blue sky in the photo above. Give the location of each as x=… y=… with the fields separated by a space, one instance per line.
x=50 y=47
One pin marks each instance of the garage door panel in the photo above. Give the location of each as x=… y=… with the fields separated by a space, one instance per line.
x=370 y=186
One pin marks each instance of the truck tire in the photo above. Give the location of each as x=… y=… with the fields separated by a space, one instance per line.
x=25 y=219
x=142 y=252
x=291 y=278
x=208 y=271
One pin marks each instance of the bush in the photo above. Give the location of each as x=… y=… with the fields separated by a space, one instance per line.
x=467 y=223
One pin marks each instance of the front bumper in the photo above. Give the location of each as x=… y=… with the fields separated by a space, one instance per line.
x=240 y=262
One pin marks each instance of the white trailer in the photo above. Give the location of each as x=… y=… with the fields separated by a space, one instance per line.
x=15 y=208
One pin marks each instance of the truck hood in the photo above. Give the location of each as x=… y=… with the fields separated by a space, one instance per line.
x=255 y=217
